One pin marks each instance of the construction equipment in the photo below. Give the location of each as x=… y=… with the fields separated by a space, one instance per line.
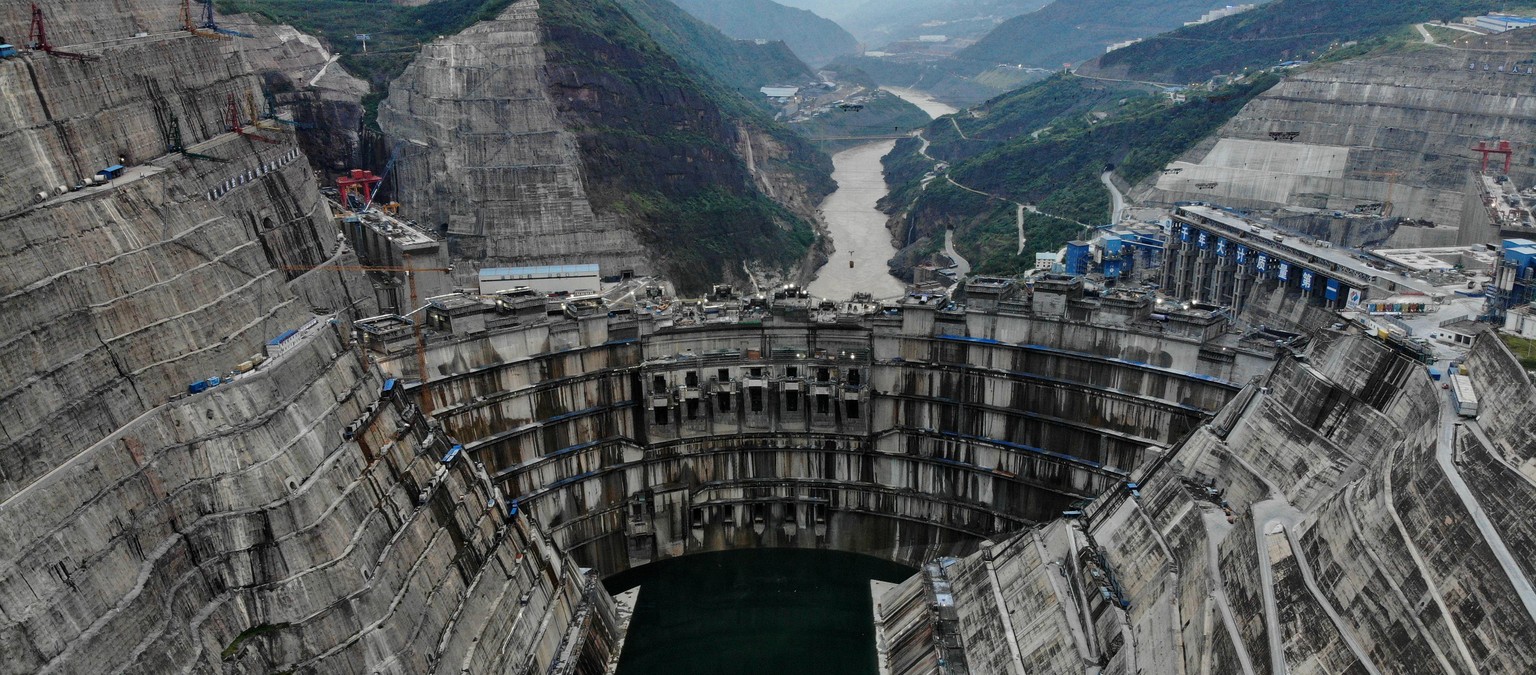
x=176 y=146
x=358 y=182
x=394 y=154
x=209 y=23
x=1502 y=148
x=186 y=23
x=38 y=39
x=1392 y=176
x=271 y=113
x=238 y=127
x=410 y=276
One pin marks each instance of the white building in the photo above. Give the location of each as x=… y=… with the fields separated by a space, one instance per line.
x=543 y=278
x=779 y=91
x=1498 y=23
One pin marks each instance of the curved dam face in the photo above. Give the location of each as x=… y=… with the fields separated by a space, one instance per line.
x=902 y=437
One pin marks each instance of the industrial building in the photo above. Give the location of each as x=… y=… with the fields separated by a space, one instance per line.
x=1514 y=278
x=542 y=278
x=1219 y=258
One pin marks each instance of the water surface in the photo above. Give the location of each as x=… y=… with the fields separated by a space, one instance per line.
x=754 y=612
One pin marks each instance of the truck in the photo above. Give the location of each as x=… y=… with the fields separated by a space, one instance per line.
x=1463 y=396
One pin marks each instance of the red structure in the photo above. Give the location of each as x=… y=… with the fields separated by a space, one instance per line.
x=1503 y=148
x=359 y=181
x=238 y=127
x=37 y=39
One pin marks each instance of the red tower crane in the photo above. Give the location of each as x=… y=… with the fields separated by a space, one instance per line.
x=239 y=128
x=38 y=39
x=1503 y=148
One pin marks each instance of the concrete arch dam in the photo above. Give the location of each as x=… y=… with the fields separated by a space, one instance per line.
x=899 y=437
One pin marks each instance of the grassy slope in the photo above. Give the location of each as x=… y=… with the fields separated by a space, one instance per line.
x=1279 y=31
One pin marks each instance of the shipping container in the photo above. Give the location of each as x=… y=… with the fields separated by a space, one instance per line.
x=1463 y=396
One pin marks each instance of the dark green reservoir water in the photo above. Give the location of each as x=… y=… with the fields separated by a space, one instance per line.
x=765 y=611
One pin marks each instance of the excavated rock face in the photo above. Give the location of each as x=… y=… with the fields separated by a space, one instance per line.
x=1357 y=529
x=301 y=76
x=557 y=134
x=500 y=169
x=297 y=518
x=1416 y=111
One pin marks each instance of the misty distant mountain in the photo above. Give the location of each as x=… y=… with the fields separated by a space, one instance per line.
x=880 y=22
x=814 y=39
x=1076 y=30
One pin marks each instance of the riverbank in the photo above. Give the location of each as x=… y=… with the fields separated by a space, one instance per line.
x=863 y=247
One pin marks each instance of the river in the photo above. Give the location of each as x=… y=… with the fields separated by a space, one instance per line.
x=856 y=228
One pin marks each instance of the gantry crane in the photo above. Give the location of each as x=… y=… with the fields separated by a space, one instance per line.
x=1500 y=148
x=410 y=276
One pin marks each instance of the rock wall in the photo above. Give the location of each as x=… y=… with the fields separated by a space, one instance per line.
x=287 y=520
x=237 y=530
x=499 y=167
x=124 y=294
x=1417 y=110
x=562 y=133
x=1356 y=530
x=308 y=86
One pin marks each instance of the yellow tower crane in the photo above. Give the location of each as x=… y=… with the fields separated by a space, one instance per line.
x=410 y=276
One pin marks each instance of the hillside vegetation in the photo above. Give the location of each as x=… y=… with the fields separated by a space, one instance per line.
x=814 y=39
x=742 y=65
x=1085 y=129
x=1069 y=31
x=657 y=145
x=1278 y=31
x=395 y=32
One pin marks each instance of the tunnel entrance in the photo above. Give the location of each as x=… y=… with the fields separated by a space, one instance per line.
x=751 y=612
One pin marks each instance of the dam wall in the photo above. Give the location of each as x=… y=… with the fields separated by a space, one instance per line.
x=239 y=530
x=1415 y=112
x=902 y=436
x=1271 y=542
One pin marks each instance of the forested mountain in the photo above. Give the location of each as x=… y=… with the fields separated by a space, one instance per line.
x=1069 y=31
x=814 y=39
x=1045 y=146
x=743 y=65
x=1278 y=31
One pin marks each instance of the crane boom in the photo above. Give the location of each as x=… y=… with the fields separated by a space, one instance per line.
x=410 y=275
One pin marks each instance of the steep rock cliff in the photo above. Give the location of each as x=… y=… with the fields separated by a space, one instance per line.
x=1393 y=127
x=287 y=519
x=557 y=134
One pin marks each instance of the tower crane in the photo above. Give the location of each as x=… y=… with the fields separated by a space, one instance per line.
x=236 y=126
x=1392 y=176
x=37 y=39
x=200 y=31
x=210 y=24
x=410 y=275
